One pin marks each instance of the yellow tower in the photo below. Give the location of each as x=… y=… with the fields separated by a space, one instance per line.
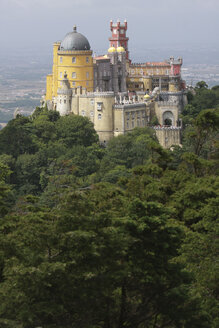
x=73 y=57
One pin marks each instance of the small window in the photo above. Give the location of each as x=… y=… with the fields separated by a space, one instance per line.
x=60 y=75
x=73 y=75
x=87 y=75
x=83 y=113
x=133 y=124
x=99 y=116
x=92 y=101
x=73 y=84
x=91 y=113
x=87 y=83
x=127 y=125
x=73 y=60
x=99 y=105
x=64 y=101
x=61 y=60
x=87 y=59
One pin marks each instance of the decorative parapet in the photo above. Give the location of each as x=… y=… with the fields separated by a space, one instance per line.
x=75 y=52
x=66 y=92
x=172 y=93
x=128 y=106
x=167 y=103
x=158 y=127
x=104 y=94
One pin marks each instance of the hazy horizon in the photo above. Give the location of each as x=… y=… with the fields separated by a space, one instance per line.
x=38 y=23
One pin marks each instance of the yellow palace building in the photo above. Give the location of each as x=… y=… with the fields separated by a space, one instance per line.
x=71 y=57
x=114 y=93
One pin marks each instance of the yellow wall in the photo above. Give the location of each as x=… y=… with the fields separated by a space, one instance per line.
x=49 y=87
x=147 y=70
x=56 y=46
x=81 y=67
x=173 y=87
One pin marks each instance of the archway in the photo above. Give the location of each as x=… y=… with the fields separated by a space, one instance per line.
x=168 y=118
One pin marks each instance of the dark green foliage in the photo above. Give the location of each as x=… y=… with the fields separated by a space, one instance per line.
x=16 y=138
x=115 y=237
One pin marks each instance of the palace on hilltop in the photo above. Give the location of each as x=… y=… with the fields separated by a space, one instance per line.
x=116 y=94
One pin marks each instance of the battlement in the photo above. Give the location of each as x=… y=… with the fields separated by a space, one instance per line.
x=165 y=127
x=167 y=103
x=118 y=24
x=129 y=105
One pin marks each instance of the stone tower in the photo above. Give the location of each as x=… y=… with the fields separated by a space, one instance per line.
x=64 y=97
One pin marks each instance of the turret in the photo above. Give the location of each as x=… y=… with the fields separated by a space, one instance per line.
x=64 y=97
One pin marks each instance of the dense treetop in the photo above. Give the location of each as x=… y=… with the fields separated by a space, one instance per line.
x=122 y=236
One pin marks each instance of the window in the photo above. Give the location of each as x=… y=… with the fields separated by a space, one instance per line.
x=60 y=75
x=61 y=60
x=92 y=101
x=73 y=60
x=99 y=116
x=127 y=125
x=87 y=83
x=133 y=124
x=73 y=84
x=87 y=75
x=115 y=31
x=91 y=113
x=133 y=115
x=73 y=75
x=122 y=31
x=99 y=105
x=87 y=59
x=83 y=113
x=64 y=101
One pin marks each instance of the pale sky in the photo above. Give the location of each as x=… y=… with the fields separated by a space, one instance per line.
x=34 y=23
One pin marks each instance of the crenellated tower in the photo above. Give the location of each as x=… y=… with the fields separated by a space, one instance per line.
x=118 y=37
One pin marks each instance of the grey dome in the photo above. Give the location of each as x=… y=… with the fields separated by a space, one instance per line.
x=75 y=41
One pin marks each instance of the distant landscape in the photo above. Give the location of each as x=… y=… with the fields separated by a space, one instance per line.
x=23 y=73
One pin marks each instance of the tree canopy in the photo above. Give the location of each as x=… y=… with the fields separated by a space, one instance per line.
x=115 y=237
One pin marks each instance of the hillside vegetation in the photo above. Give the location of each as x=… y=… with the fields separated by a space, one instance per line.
x=122 y=236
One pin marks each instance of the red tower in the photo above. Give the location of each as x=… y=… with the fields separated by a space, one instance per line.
x=118 y=38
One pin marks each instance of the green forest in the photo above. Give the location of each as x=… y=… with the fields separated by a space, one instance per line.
x=123 y=236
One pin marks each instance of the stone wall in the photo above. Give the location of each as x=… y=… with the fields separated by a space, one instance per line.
x=168 y=136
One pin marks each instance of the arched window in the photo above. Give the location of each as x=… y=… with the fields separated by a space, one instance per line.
x=168 y=118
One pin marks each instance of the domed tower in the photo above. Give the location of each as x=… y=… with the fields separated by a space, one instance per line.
x=71 y=56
